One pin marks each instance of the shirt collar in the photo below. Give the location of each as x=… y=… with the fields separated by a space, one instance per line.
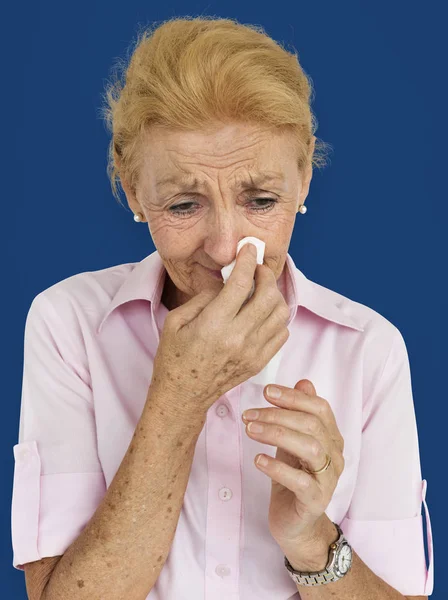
x=146 y=280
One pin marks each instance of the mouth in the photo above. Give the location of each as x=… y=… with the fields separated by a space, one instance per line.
x=215 y=274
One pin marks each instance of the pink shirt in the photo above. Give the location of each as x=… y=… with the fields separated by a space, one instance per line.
x=90 y=341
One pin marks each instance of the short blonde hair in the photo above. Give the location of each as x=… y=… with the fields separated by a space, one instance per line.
x=194 y=73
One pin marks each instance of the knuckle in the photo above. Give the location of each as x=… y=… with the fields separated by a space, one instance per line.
x=278 y=431
x=324 y=407
x=270 y=295
x=284 y=313
x=316 y=449
x=281 y=315
x=241 y=284
x=313 y=425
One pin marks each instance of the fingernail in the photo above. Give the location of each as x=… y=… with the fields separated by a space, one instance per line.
x=262 y=460
x=273 y=391
x=251 y=415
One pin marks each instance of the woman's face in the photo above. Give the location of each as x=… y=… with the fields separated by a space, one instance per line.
x=196 y=225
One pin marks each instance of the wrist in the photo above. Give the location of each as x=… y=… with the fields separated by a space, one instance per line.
x=167 y=405
x=313 y=554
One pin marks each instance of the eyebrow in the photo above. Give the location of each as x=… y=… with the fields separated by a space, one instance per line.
x=190 y=185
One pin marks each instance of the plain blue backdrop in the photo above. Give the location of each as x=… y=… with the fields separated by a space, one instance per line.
x=377 y=214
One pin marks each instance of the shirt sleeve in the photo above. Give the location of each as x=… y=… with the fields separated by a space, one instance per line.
x=384 y=523
x=58 y=480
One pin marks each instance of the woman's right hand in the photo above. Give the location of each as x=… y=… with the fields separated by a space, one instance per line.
x=212 y=343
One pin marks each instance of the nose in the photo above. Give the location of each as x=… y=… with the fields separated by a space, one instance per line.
x=221 y=240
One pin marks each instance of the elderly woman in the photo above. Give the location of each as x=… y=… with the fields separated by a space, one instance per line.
x=154 y=460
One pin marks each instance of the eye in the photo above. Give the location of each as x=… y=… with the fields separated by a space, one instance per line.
x=180 y=210
x=266 y=207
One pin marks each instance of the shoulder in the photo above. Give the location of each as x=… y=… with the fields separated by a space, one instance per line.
x=378 y=346
x=375 y=326
x=82 y=297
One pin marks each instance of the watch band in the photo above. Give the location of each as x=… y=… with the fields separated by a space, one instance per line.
x=332 y=572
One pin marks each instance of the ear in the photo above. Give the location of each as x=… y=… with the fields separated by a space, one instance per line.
x=307 y=176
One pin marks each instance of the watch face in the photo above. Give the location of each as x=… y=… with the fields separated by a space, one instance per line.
x=344 y=558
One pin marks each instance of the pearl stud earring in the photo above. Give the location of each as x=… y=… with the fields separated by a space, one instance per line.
x=302 y=209
x=138 y=217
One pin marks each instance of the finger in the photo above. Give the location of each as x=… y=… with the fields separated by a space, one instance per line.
x=235 y=292
x=302 y=484
x=297 y=421
x=294 y=399
x=299 y=445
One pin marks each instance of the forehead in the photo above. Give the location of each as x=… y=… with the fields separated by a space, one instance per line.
x=252 y=155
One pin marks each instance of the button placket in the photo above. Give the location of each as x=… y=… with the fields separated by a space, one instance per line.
x=224 y=497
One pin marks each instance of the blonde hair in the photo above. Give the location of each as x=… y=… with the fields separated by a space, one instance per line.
x=194 y=73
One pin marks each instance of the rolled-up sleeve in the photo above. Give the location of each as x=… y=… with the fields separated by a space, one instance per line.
x=384 y=523
x=58 y=480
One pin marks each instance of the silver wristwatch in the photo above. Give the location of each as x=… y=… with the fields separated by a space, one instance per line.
x=339 y=564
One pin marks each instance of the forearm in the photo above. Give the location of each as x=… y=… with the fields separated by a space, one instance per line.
x=121 y=551
x=359 y=582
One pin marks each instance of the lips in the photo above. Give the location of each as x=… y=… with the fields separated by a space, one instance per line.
x=216 y=274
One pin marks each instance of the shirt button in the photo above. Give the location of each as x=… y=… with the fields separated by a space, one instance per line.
x=225 y=493
x=222 y=411
x=222 y=570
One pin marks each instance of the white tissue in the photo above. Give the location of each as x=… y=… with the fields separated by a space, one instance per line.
x=260 y=245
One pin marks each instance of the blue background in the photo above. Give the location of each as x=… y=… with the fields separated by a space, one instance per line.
x=376 y=214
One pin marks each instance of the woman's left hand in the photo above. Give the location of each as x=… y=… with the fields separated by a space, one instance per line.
x=304 y=430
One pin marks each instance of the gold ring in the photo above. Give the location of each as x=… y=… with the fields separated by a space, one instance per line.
x=325 y=467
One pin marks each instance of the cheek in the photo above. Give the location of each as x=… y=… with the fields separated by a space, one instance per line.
x=168 y=237
x=175 y=248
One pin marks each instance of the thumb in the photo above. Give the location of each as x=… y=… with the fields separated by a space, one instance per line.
x=305 y=385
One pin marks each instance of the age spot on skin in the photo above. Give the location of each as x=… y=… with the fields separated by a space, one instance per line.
x=177 y=354
x=80 y=583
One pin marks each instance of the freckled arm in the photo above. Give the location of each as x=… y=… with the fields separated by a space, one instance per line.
x=121 y=551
